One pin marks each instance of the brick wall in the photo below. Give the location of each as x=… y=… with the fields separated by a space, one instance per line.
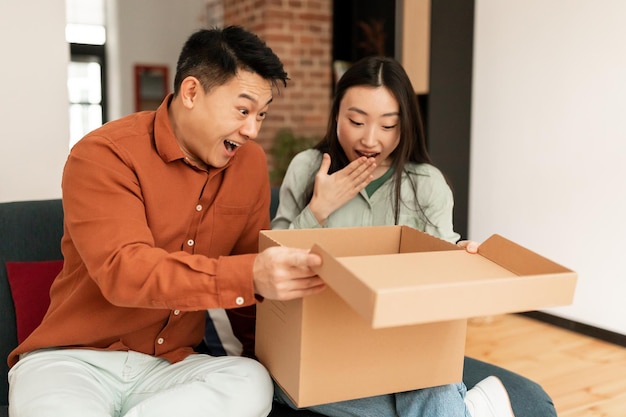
x=300 y=33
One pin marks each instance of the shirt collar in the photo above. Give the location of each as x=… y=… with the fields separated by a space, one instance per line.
x=166 y=144
x=413 y=168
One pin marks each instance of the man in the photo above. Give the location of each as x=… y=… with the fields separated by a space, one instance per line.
x=162 y=215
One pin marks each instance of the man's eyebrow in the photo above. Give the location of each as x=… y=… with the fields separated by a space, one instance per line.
x=254 y=100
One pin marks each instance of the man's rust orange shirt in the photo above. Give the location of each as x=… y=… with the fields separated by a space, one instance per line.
x=150 y=241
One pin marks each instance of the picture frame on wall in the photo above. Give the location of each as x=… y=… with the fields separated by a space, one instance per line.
x=151 y=86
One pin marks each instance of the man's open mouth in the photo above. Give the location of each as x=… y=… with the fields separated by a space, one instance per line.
x=230 y=145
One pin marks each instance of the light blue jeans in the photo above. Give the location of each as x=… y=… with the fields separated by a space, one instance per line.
x=445 y=400
x=79 y=383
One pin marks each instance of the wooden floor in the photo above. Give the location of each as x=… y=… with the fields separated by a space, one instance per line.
x=584 y=376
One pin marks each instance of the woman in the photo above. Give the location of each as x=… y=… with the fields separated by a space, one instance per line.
x=372 y=168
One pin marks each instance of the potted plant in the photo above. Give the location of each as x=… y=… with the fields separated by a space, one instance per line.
x=285 y=146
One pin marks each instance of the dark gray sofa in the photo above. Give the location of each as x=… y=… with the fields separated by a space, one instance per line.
x=31 y=231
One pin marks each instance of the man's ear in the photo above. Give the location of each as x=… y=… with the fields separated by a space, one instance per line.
x=189 y=90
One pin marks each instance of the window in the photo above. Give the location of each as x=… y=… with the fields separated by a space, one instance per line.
x=86 y=75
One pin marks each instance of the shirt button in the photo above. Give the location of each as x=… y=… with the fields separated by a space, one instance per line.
x=199 y=207
x=190 y=242
x=160 y=340
x=176 y=312
x=239 y=301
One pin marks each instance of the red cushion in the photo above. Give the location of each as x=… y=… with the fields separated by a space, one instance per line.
x=30 y=287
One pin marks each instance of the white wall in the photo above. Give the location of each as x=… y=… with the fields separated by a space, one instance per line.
x=34 y=112
x=34 y=107
x=148 y=32
x=549 y=141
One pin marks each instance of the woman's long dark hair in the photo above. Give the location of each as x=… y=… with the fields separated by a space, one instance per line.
x=379 y=71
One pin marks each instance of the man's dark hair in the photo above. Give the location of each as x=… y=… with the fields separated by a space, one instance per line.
x=215 y=55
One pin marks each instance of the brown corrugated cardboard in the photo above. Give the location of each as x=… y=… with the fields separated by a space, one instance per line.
x=394 y=315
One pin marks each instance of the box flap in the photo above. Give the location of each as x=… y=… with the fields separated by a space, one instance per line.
x=421 y=287
x=517 y=258
x=340 y=241
x=355 y=292
x=413 y=240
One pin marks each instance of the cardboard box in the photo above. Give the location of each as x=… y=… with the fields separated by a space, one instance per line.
x=394 y=316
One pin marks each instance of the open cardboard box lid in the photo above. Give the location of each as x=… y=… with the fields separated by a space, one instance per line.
x=397 y=275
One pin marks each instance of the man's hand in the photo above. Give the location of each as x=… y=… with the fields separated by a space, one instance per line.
x=333 y=191
x=282 y=273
